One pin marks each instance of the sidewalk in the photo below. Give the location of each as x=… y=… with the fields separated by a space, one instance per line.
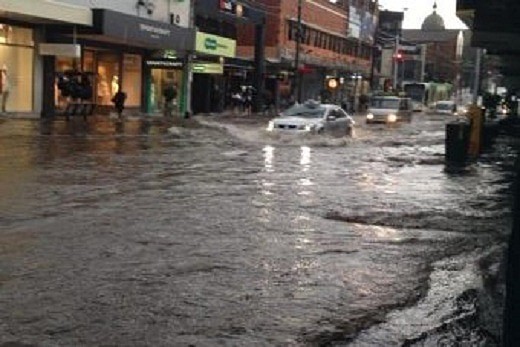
x=176 y=120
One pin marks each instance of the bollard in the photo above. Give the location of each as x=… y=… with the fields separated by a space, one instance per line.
x=457 y=135
x=476 y=118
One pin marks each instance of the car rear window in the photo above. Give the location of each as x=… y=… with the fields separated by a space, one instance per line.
x=385 y=103
x=305 y=111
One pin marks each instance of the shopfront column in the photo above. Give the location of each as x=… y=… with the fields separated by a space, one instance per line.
x=49 y=76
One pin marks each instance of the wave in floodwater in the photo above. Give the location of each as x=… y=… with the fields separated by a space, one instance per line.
x=448 y=315
x=256 y=134
x=454 y=221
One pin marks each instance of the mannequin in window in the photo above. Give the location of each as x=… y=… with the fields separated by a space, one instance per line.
x=114 y=87
x=4 y=86
x=103 y=89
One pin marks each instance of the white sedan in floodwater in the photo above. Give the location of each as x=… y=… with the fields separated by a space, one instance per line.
x=314 y=118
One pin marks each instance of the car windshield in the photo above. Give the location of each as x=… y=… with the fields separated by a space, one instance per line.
x=385 y=103
x=305 y=111
x=444 y=106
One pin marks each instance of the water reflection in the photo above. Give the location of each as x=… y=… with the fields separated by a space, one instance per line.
x=305 y=162
x=305 y=158
x=268 y=158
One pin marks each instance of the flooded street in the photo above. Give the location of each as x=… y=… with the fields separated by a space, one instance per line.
x=219 y=234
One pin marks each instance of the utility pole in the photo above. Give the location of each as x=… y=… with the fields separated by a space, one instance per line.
x=476 y=81
x=297 y=74
x=396 y=61
x=187 y=73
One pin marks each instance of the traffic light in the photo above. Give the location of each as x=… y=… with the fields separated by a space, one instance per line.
x=399 y=56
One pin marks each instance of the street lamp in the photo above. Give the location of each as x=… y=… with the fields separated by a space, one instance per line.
x=356 y=77
x=396 y=52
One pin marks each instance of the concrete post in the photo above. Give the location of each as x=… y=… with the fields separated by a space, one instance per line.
x=396 y=62
x=49 y=68
x=476 y=81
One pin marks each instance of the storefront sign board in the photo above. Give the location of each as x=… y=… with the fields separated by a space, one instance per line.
x=215 y=45
x=60 y=49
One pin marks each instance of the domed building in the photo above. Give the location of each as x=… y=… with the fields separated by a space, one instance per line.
x=433 y=22
x=439 y=51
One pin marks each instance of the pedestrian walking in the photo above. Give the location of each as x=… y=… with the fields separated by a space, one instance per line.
x=247 y=98
x=119 y=102
x=236 y=102
x=170 y=98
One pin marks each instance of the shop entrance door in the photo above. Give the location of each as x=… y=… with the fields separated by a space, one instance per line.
x=160 y=78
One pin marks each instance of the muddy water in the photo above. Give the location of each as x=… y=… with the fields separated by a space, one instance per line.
x=146 y=233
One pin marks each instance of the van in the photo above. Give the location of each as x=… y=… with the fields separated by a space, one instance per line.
x=389 y=109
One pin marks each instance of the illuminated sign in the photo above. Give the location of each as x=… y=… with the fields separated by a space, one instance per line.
x=208 y=68
x=215 y=45
x=60 y=49
x=164 y=63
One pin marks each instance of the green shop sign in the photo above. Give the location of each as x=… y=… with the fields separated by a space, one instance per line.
x=208 y=68
x=215 y=45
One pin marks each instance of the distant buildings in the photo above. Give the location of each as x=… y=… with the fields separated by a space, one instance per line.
x=441 y=55
x=336 y=42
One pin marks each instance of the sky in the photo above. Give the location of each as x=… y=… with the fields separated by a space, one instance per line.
x=419 y=9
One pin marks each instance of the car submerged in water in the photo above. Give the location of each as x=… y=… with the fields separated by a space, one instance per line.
x=389 y=109
x=312 y=117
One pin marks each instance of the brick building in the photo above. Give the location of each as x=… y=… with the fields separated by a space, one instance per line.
x=337 y=39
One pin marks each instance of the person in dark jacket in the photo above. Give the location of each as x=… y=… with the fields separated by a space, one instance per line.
x=170 y=96
x=119 y=102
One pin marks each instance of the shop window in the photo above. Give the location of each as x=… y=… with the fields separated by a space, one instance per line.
x=88 y=61
x=132 y=79
x=16 y=35
x=63 y=65
x=16 y=84
x=16 y=63
x=107 y=77
x=161 y=78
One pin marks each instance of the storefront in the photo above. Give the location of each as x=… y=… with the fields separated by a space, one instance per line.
x=116 y=56
x=105 y=72
x=163 y=73
x=210 y=84
x=16 y=68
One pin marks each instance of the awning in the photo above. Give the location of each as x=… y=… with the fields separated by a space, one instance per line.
x=120 y=28
x=45 y=11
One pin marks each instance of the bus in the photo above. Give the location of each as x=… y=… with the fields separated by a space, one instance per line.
x=425 y=94
x=418 y=92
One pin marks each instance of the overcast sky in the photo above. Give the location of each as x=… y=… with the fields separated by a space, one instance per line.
x=419 y=9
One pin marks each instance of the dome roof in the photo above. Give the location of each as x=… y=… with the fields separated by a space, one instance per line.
x=433 y=22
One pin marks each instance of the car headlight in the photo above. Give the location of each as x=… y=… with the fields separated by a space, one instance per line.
x=392 y=118
x=309 y=127
x=270 y=126
x=370 y=116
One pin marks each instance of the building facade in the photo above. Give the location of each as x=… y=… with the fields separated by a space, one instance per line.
x=441 y=50
x=132 y=46
x=219 y=22
x=336 y=42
